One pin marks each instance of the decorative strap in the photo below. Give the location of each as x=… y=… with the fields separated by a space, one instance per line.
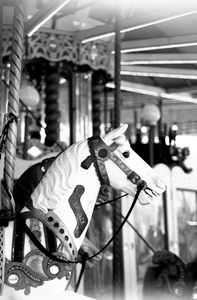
x=131 y=175
x=53 y=222
x=100 y=153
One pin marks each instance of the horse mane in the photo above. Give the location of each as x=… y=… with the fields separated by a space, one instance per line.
x=59 y=178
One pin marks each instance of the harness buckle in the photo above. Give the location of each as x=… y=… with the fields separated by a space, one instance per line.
x=134 y=177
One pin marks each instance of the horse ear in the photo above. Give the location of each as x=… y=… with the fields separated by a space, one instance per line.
x=110 y=136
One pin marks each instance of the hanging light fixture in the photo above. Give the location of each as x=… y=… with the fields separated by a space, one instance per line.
x=151 y=114
x=29 y=95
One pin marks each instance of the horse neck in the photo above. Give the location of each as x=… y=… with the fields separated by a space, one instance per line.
x=77 y=207
x=69 y=191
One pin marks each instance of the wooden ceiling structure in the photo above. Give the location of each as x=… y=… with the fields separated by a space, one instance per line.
x=158 y=48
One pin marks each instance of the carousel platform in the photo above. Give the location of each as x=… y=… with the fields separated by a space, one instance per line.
x=39 y=294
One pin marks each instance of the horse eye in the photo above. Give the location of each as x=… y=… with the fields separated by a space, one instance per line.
x=126 y=154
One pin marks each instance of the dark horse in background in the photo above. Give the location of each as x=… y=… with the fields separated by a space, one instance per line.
x=169 y=278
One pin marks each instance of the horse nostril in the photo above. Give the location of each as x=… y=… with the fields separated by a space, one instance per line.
x=161 y=183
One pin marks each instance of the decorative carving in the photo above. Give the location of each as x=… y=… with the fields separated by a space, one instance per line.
x=34 y=270
x=169 y=278
x=101 y=61
x=54 y=46
x=20 y=276
x=1 y=255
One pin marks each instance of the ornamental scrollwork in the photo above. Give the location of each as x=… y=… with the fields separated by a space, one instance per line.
x=34 y=270
x=52 y=46
x=58 y=46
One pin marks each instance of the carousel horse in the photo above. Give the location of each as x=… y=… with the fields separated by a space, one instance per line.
x=170 y=278
x=54 y=209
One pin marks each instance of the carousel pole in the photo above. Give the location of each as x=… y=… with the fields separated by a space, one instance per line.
x=6 y=204
x=118 y=274
x=52 y=113
x=1 y=125
x=1 y=50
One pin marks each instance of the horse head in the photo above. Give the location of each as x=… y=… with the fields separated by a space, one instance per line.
x=65 y=198
x=126 y=169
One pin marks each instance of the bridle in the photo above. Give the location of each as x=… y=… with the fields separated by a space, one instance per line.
x=100 y=153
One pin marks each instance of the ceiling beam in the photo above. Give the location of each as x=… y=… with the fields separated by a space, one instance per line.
x=158 y=90
x=157 y=43
x=158 y=16
x=158 y=58
x=76 y=8
x=140 y=86
x=129 y=87
x=186 y=89
x=43 y=14
x=149 y=71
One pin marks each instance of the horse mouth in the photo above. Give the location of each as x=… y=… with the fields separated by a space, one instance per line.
x=151 y=193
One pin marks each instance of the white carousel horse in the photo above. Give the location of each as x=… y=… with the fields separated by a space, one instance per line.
x=63 y=202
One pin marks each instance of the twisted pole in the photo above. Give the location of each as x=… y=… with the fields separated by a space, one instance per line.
x=1 y=51
x=1 y=123
x=118 y=274
x=52 y=112
x=13 y=108
x=97 y=90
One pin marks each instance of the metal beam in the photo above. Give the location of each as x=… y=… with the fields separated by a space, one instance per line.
x=42 y=14
x=75 y=9
x=157 y=43
x=185 y=89
x=149 y=71
x=136 y=21
x=140 y=86
x=162 y=94
x=158 y=58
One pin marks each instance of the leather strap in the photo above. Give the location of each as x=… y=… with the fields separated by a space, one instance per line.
x=55 y=224
x=100 y=153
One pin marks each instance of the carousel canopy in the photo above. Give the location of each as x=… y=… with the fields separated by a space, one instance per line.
x=158 y=46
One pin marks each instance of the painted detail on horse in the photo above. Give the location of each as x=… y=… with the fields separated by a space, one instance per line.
x=78 y=211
